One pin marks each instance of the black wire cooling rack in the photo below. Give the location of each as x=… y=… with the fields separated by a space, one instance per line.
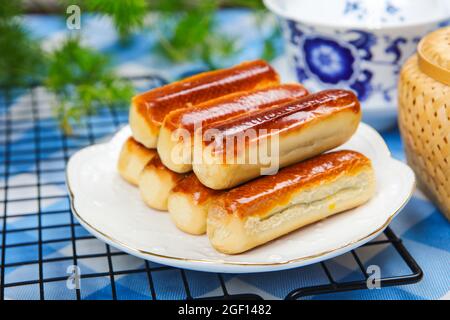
x=33 y=155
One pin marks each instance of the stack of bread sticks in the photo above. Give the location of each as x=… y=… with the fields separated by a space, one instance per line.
x=237 y=155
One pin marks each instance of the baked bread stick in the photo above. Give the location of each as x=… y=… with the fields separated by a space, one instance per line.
x=188 y=204
x=287 y=134
x=132 y=160
x=272 y=206
x=156 y=182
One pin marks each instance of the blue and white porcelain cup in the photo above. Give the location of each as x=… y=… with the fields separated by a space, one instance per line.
x=356 y=44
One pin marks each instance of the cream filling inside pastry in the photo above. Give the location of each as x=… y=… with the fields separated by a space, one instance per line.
x=232 y=234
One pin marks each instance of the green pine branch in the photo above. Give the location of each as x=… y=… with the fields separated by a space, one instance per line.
x=83 y=81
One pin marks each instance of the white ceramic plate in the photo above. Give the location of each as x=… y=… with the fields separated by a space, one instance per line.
x=112 y=210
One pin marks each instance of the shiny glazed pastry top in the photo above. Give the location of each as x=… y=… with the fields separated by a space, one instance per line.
x=157 y=103
x=232 y=105
x=260 y=196
x=285 y=118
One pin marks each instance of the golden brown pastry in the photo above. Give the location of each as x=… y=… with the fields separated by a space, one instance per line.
x=285 y=134
x=148 y=110
x=272 y=206
x=132 y=160
x=177 y=154
x=156 y=182
x=188 y=204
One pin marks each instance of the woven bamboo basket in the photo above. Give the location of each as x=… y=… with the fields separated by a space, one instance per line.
x=424 y=116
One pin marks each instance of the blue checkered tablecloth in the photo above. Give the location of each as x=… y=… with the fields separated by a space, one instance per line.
x=424 y=231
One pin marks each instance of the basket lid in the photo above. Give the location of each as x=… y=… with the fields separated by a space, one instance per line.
x=434 y=55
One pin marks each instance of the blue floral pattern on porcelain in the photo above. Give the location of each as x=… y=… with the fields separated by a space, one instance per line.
x=330 y=61
x=367 y=62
